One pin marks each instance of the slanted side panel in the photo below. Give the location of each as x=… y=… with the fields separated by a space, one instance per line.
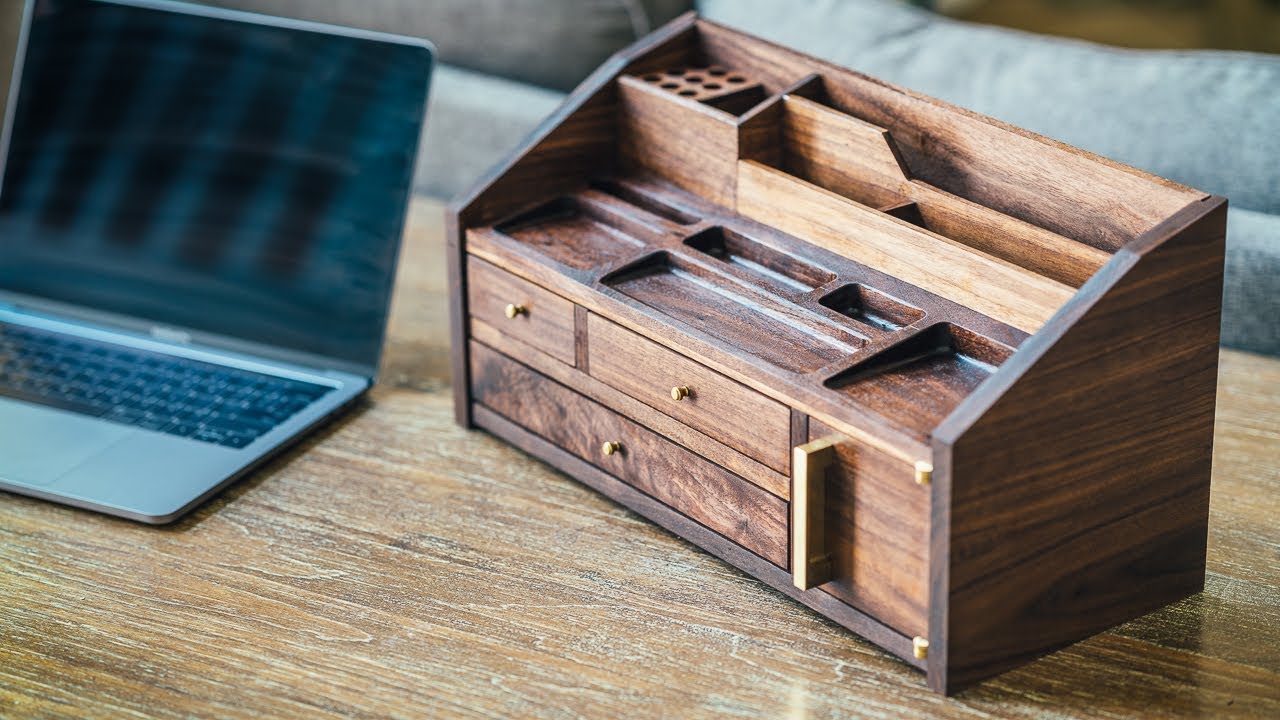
x=1079 y=498
x=575 y=143
x=582 y=146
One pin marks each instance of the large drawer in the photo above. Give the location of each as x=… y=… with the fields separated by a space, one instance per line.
x=683 y=480
x=520 y=309
x=695 y=395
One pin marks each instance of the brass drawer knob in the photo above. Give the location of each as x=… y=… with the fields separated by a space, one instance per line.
x=610 y=447
x=679 y=392
x=514 y=311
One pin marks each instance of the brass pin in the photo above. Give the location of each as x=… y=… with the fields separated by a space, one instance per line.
x=924 y=472
x=919 y=647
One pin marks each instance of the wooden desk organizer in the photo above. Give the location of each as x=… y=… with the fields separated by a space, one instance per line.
x=944 y=381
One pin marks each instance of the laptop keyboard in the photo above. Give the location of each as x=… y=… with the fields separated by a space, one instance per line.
x=169 y=394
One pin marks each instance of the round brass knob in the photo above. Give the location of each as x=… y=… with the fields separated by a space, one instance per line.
x=679 y=392
x=513 y=310
x=610 y=447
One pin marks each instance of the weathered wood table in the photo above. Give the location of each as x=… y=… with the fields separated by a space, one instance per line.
x=397 y=566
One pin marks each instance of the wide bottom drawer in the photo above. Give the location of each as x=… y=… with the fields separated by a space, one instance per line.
x=680 y=479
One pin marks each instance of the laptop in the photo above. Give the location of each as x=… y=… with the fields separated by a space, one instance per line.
x=200 y=217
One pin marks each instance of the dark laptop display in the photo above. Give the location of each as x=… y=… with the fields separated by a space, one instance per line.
x=243 y=180
x=200 y=217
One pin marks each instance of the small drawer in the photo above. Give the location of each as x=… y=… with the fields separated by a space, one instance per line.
x=685 y=481
x=520 y=309
x=695 y=395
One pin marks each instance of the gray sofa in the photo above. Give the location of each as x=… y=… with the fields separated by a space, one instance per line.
x=1207 y=119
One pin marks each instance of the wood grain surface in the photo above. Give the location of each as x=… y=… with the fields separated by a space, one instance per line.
x=951 y=269
x=775 y=482
x=749 y=422
x=680 y=479
x=545 y=320
x=752 y=303
x=877 y=522
x=1090 y=470
x=396 y=565
x=861 y=162
x=665 y=133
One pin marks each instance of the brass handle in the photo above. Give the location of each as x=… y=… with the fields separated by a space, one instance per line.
x=610 y=447
x=679 y=392
x=810 y=560
x=514 y=310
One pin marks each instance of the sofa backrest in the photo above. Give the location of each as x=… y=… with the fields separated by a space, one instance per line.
x=1209 y=119
x=553 y=43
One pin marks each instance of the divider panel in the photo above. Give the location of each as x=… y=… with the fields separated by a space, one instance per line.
x=998 y=289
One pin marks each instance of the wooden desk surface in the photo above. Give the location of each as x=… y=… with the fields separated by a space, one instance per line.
x=396 y=565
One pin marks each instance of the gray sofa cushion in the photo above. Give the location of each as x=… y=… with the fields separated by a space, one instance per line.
x=473 y=121
x=1207 y=119
x=1251 y=303
x=554 y=43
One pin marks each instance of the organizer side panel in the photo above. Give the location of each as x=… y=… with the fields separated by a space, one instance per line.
x=1079 y=496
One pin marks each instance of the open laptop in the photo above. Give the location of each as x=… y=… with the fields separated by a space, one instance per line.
x=200 y=216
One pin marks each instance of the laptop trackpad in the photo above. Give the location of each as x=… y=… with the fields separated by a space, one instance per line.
x=38 y=445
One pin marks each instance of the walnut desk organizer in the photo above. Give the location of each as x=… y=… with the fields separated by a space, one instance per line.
x=944 y=381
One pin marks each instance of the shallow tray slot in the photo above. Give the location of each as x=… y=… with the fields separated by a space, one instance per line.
x=574 y=233
x=772 y=269
x=919 y=381
x=871 y=307
x=780 y=333
x=646 y=202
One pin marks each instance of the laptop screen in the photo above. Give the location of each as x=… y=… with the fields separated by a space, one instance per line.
x=201 y=172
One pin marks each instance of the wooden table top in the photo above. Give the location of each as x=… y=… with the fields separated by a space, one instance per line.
x=398 y=566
